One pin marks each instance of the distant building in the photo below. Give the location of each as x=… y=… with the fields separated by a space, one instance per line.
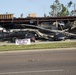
x=32 y=15
x=6 y=16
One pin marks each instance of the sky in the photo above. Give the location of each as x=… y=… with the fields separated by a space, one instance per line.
x=25 y=7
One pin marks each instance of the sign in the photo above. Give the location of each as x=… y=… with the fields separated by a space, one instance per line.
x=22 y=41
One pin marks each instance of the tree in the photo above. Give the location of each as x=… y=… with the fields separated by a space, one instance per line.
x=45 y=15
x=70 y=3
x=58 y=9
x=55 y=8
x=64 y=11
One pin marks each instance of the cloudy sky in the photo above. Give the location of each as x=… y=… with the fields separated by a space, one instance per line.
x=39 y=7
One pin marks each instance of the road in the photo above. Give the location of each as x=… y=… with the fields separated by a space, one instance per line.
x=47 y=62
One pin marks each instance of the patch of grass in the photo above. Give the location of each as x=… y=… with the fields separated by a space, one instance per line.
x=37 y=46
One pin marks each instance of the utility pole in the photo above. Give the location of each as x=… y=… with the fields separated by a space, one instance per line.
x=74 y=9
x=56 y=11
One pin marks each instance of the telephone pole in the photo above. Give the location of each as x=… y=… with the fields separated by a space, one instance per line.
x=74 y=9
x=56 y=11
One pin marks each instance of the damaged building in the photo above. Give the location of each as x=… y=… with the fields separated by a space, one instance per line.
x=48 y=28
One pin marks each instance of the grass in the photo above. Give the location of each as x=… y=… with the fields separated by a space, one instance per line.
x=37 y=46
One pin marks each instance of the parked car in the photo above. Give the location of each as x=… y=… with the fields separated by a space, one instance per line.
x=12 y=36
x=59 y=36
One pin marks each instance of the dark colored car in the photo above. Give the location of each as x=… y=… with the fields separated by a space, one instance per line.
x=59 y=36
x=12 y=36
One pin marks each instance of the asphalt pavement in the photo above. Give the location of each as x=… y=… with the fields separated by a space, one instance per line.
x=43 y=62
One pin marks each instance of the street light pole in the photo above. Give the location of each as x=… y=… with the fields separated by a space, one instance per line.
x=74 y=9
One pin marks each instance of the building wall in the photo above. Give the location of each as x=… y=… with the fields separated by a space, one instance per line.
x=6 y=16
x=32 y=15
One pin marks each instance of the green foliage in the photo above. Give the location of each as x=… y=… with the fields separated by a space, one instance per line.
x=58 y=9
x=69 y=4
